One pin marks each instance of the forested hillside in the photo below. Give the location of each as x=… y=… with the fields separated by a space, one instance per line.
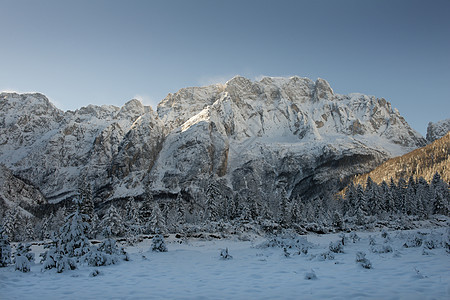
x=423 y=162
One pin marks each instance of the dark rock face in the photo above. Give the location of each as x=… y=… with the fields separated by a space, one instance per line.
x=278 y=137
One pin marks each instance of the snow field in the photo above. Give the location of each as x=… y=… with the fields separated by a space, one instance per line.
x=194 y=270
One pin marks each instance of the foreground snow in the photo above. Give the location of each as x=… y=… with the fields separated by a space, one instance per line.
x=194 y=270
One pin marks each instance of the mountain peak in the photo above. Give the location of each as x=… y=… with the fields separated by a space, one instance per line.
x=437 y=130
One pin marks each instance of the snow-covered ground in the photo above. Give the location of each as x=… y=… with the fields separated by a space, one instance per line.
x=193 y=270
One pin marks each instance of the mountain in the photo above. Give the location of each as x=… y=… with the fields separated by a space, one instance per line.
x=261 y=140
x=423 y=162
x=15 y=192
x=437 y=130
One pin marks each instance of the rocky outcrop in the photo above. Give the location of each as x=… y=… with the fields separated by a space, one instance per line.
x=437 y=130
x=14 y=192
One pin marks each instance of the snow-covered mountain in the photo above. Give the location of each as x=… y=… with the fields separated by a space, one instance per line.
x=437 y=130
x=263 y=139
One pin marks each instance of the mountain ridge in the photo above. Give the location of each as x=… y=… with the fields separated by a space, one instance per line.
x=263 y=138
x=423 y=162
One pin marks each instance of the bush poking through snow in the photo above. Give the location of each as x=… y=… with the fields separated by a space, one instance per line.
x=310 y=275
x=328 y=255
x=386 y=236
x=381 y=248
x=371 y=240
x=354 y=237
x=414 y=240
x=336 y=247
x=106 y=254
x=362 y=260
x=24 y=257
x=95 y=273
x=158 y=244
x=433 y=241
x=289 y=240
x=419 y=274
x=224 y=255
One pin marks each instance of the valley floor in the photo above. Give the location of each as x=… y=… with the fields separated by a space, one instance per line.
x=193 y=270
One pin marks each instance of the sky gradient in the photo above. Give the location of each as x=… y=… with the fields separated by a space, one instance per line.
x=108 y=52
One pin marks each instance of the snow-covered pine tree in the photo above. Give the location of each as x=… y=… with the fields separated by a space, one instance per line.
x=133 y=225
x=28 y=230
x=145 y=213
x=350 y=199
x=361 y=200
x=246 y=214
x=11 y=223
x=175 y=217
x=285 y=211
x=158 y=244
x=410 y=197
x=72 y=236
x=375 y=201
x=55 y=257
x=86 y=204
x=213 y=200
x=369 y=193
x=385 y=192
x=157 y=220
x=95 y=229
x=5 y=248
x=58 y=220
x=23 y=258
x=112 y=221
x=110 y=247
x=44 y=232
x=424 y=198
x=106 y=254
x=337 y=221
x=296 y=212
x=400 y=196
x=441 y=203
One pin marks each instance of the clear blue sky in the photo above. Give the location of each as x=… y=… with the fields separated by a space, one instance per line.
x=108 y=52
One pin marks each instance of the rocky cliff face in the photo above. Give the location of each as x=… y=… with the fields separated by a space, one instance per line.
x=15 y=192
x=437 y=130
x=278 y=136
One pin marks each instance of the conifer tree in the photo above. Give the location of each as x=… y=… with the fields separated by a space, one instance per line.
x=11 y=223
x=400 y=196
x=389 y=203
x=5 y=249
x=112 y=223
x=44 y=232
x=145 y=213
x=86 y=204
x=157 y=221
x=72 y=236
x=132 y=222
x=158 y=244
x=351 y=199
x=23 y=257
x=361 y=200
